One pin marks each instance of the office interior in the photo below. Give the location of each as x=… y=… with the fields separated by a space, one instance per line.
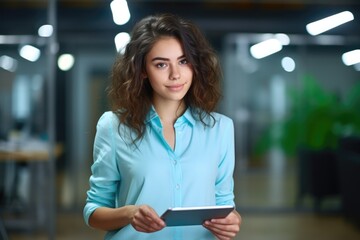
x=282 y=105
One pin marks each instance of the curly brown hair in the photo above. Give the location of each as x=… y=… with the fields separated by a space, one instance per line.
x=131 y=95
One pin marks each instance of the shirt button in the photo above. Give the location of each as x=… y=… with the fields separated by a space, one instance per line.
x=177 y=186
x=175 y=162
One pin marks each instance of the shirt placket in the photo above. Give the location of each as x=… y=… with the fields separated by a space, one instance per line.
x=177 y=170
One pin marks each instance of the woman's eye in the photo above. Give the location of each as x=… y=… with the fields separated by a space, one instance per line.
x=160 y=65
x=183 y=61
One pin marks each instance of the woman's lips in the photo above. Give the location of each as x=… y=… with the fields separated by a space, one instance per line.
x=176 y=88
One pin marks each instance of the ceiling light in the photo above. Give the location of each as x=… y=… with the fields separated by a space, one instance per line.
x=66 y=62
x=351 y=58
x=328 y=23
x=8 y=63
x=30 y=53
x=283 y=38
x=45 y=30
x=120 y=11
x=288 y=64
x=265 y=48
x=121 y=40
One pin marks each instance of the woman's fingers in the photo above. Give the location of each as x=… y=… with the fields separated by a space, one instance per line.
x=225 y=228
x=147 y=220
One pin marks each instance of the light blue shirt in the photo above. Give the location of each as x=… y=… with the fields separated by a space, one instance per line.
x=198 y=172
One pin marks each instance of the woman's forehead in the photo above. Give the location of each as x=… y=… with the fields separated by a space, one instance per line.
x=166 y=47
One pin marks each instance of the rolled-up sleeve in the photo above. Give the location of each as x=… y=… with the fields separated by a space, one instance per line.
x=105 y=175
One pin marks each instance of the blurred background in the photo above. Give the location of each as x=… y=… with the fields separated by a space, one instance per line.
x=295 y=105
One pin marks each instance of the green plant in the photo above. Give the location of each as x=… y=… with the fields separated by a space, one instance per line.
x=316 y=120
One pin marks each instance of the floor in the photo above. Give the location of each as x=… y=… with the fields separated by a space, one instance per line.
x=265 y=196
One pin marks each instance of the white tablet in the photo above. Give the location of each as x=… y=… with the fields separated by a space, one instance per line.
x=181 y=216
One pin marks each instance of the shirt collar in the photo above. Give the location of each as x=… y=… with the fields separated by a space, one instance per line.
x=186 y=117
x=151 y=114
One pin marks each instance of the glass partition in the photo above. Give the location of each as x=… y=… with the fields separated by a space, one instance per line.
x=27 y=149
x=279 y=109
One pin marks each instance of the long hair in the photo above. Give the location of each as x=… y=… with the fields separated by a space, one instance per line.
x=131 y=95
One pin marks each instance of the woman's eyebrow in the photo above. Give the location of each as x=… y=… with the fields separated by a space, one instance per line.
x=160 y=58
x=165 y=59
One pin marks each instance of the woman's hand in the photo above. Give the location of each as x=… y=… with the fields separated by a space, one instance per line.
x=145 y=219
x=225 y=228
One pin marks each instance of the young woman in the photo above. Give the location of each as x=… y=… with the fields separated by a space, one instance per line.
x=162 y=145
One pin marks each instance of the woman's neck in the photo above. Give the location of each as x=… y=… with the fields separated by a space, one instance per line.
x=169 y=111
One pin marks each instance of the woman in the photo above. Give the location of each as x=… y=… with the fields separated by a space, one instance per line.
x=162 y=145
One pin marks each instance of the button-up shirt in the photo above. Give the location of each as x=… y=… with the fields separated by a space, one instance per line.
x=197 y=172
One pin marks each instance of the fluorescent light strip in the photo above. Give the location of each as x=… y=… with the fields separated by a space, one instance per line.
x=351 y=58
x=120 y=11
x=325 y=24
x=265 y=48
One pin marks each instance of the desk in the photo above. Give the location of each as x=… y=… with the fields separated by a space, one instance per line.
x=41 y=206
x=27 y=156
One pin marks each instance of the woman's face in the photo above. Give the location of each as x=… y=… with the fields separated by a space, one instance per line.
x=168 y=71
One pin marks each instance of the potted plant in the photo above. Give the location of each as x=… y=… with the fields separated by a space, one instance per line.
x=317 y=120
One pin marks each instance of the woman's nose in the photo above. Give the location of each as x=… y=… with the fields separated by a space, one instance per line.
x=175 y=73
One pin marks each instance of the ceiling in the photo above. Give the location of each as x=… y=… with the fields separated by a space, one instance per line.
x=89 y=22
